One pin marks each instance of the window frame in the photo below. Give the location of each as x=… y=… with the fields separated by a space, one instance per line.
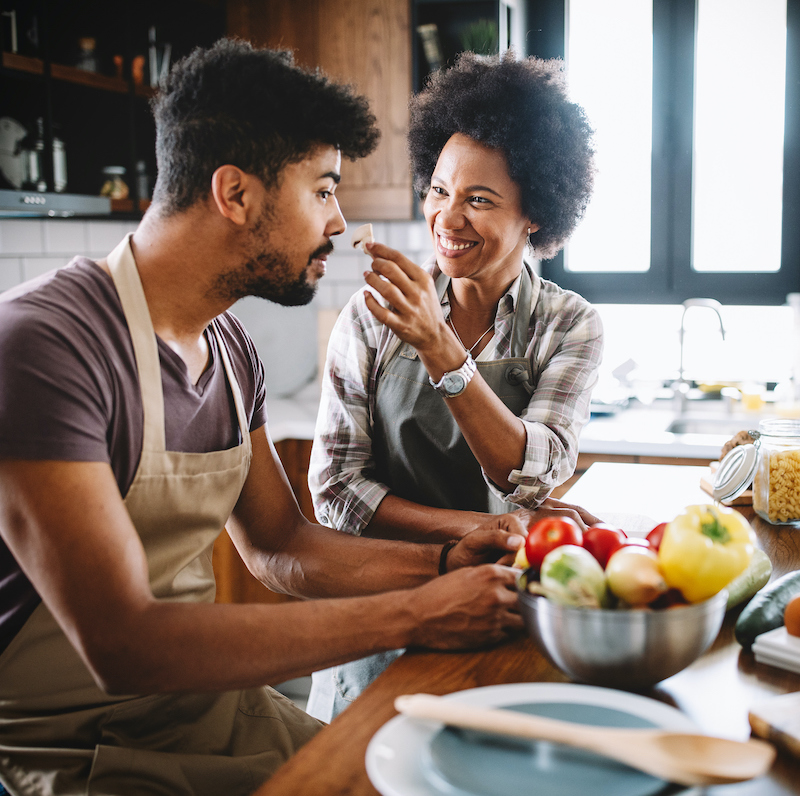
x=670 y=278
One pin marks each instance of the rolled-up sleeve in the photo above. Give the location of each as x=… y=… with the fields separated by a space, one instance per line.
x=341 y=470
x=566 y=351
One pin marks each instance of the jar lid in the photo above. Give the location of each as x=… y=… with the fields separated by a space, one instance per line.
x=735 y=472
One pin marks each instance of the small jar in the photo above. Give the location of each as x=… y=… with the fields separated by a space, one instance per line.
x=776 y=483
x=114 y=185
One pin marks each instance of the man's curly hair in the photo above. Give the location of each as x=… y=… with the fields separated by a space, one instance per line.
x=521 y=108
x=251 y=108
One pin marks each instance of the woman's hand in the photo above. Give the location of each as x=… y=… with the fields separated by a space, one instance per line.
x=496 y=542
x=557 y=508
x=414 y=313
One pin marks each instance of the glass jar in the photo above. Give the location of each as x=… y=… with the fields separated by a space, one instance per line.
x=776 y=484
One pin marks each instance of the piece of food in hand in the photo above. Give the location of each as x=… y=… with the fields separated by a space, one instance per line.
x=704 y=549
x=656 y=535
x=741 y=438
x=362 y=236
x=634 y=576
x=547 y=534
x=791 y=616
x=602 y=540
x=571 y=576
x=521 y=560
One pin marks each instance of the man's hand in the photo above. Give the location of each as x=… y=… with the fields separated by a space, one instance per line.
x=496 y=541
x=470 y=608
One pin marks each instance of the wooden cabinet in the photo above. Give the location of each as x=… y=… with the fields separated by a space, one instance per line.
x=83 y=69
x=235 y=584
x=366 y=43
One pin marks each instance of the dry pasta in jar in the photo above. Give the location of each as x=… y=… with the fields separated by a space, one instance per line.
x=776 y=485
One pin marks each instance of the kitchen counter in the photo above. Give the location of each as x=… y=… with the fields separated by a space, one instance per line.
x=638 y=431
x=293 y=417
x=716 y=691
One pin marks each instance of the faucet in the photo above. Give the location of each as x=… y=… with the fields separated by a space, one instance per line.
x=682 y=384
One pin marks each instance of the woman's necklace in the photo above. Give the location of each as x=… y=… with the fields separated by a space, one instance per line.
x=475 y=345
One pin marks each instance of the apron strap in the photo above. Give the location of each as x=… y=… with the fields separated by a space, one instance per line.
x=238 y=401
x=145 y=347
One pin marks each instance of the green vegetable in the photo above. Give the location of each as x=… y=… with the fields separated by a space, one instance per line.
x=753 y=579
x=765 y=611
x=570 y=575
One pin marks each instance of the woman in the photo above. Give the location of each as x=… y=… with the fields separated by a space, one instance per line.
x=459 y=389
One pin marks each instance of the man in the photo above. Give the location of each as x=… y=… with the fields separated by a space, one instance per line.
x=133 y=429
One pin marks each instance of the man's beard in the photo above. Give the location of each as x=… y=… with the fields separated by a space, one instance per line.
x=268 y=275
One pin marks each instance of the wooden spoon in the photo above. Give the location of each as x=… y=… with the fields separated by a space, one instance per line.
x=681 y=757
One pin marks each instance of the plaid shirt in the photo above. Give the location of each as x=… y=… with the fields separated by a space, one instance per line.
x=564 y=347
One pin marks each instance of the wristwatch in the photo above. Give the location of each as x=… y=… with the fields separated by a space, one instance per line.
x=454 y=382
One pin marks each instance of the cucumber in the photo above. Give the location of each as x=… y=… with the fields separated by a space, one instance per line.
x=765 y=611
x=753 y=579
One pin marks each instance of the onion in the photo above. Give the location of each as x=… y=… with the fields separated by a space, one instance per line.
x=633 y=575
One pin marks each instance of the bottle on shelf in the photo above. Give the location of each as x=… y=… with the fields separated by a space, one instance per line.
x=33 y=160
x=59 y=164
x=87 y=60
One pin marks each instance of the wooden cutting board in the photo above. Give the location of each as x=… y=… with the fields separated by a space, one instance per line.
x=707 y=485
x=778 y=721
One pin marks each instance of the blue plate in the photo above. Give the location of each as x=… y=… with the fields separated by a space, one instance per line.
x=414 y=757
x=491 y=765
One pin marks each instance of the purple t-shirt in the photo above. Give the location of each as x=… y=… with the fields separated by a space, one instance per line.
x=69 y=391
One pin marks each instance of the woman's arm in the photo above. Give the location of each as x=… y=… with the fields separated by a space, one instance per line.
x=523 y=458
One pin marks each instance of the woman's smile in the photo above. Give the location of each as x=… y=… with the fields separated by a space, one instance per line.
x=453 y=247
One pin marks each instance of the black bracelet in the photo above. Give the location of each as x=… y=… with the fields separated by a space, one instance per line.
x=446 y=548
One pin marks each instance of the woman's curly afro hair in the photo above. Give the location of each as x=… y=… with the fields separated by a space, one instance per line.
x=251 y=108
x=521 y=108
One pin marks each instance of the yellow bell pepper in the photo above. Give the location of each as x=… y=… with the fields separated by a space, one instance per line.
x=704 y=549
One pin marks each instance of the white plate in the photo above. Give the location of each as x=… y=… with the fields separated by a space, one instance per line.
x=409 y=757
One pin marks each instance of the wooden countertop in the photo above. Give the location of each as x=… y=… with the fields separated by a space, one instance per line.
x=716 y=691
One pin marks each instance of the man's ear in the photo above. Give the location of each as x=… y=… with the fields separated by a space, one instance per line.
x=231 y=191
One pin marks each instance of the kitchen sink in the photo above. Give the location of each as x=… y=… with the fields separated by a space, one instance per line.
x=727 y=426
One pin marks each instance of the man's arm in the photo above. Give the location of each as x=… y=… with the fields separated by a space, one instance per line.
x=66 y=525
x=292 y=555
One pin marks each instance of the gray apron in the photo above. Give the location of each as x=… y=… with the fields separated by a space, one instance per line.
x=420 y=452
x=59 y=733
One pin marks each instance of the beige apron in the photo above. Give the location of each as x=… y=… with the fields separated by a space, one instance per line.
x=59 y=733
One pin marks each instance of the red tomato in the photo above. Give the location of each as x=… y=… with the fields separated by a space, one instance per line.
x=547 y=534
x=654 y=537
x=602 y=540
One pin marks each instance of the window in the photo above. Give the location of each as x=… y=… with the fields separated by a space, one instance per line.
x=696 y=107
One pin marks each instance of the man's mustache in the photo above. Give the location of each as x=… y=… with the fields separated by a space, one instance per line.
x=322 y=251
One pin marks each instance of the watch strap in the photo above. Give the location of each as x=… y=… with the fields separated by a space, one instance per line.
x=466 y=371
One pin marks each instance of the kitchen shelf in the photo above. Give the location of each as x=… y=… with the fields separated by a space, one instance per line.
x=102 y=117
x=71 y=74
x=23 y=63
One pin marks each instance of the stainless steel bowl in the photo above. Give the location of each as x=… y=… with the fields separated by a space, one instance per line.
x=631 y=649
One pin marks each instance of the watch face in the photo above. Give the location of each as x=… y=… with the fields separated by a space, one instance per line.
x=454 y=383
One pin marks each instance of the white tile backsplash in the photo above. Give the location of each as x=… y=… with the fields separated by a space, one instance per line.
x=66 y=236
x=36 y=266
x=10 y=272
x=103 y=236
x=21 y=236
